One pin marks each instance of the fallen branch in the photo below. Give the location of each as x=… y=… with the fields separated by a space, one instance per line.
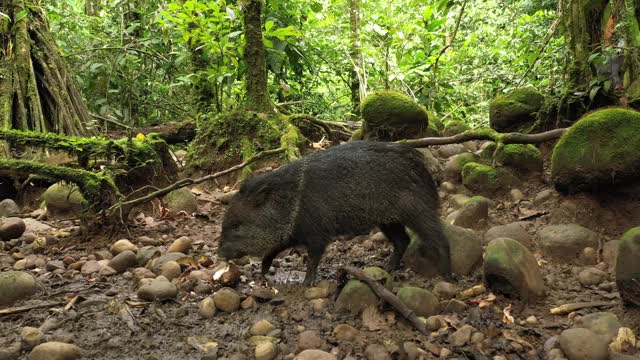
x=389 y=297
x=21 y=309
x=189 y=181
x=567 y=308
x=487 y=134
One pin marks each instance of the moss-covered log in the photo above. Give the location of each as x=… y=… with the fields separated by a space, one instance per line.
x=37 y=91
x=97 y=188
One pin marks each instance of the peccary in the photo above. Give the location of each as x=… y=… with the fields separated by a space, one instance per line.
x=346 y=190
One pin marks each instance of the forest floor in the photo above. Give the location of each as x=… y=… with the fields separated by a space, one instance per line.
x=105 y=318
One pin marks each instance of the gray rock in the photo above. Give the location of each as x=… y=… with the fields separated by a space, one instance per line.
x=376 y=352
x=516 y=231
x=8 y=208
x=610 y=252
x=227 y=299
x=158 y=289
x=62 y=198
x=90 y=267
x=453 y=168
x=55 y=265
x=566 y=242
x=157 y=263
x=602 y=323
x=55 y=351
x=462 y=336
x=542 y=197
x=11 y=228
x=591 y=276
x=121 y=262
x=465 y=249
x=314 y=354
x=583 y=344
x=31 y=337
x=458 y=200
x=310 y=339
x=445 y=290
x=449 y=150
x=16 y=285
x=472 y=213
x=35 y=226
x=147 y=253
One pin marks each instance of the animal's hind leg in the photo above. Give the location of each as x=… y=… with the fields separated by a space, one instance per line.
x=400 y=239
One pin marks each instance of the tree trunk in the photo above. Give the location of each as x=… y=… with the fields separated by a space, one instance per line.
x=354 y=14
x=255 y=59
x=37 y=92
x=608 y=28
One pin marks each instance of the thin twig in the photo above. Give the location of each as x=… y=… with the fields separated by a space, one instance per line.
x=20 y=309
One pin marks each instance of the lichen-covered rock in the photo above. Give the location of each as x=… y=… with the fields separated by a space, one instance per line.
x=515 y=111
x=391 y=115
x=16 y=285
x=181 y=200
x=357 y=296
x=420 y=301
x=511 y=269
x=62 y=198
x=601 y=149
x=485 y=179
x=524 y=157
x=628 y=269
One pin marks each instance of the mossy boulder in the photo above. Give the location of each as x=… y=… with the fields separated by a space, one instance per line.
x=628 y=267
x=62 y=198
x=455 y=127
x=391 y=115
x=422 y=302
x=510 y=268
x=599 y=150
x=524 y=157
x=515 y=111
x=181 y=200
x=357 y=295
x=485 y=179
x=633 y=94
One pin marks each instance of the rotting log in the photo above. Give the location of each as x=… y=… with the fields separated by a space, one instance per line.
x=97 y=188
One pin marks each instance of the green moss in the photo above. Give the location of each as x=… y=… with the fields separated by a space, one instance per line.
x=484 y=178
x=465 y=158
x=516 y=110
x=488 y=151
x=357 y=135
x=520 y=156
x=390 y=115
x=455 y=127
x=629 y=233
x=598 y=150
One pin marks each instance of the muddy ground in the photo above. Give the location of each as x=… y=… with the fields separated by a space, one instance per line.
x=108 y=321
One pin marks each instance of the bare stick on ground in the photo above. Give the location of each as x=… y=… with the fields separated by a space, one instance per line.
x=567 y=308
x=389 y=297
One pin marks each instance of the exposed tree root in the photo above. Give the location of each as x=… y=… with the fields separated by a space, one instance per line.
x=487 y=134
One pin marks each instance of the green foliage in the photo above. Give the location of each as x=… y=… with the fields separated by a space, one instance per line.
x=145 y=70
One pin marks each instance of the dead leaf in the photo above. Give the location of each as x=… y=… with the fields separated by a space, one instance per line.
x=507 y=318
x=472 y=291
x=127 y=317
x=372 y=319
x=625 y=340
x=484 y=301
x=201 y=343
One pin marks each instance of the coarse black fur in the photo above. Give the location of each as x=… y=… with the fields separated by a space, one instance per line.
x=346 y=190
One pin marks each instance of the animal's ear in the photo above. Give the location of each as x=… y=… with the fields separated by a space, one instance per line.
x=262 y=195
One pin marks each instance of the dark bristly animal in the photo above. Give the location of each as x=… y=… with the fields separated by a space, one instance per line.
x=346 y=190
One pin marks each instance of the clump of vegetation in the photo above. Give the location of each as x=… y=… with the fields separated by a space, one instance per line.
x=600 y=149
x=227 y=139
